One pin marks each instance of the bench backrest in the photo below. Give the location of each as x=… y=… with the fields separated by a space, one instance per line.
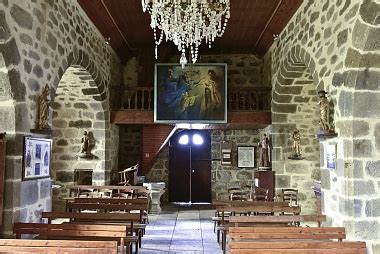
x=218 y=204
x=292 y=247
x=260 y=209
x=106 y=217
x=57 y=246
x=105 y=207
x=112 y=200
x=247 y=220
x=316 y=233
x=70 y=230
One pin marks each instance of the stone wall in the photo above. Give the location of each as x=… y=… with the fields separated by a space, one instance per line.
x=129 y=145
x=336 y=42
x=39 y=40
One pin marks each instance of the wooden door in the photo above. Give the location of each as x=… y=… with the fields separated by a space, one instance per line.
x=190 y=168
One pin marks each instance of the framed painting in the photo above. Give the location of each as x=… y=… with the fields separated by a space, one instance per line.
x=194 y=94
x=36 y=158
x=246 y=156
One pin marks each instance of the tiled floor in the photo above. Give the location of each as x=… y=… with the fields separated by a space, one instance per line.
x=181 y=229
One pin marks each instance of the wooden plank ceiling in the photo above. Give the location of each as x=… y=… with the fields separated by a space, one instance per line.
x=249 y=31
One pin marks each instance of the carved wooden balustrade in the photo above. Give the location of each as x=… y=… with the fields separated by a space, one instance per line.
x=240 y=99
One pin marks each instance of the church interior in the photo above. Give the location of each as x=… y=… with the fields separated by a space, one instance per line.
x=213 y=119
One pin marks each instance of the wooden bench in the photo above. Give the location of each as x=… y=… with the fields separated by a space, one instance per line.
x=93 y=190
x=236 y=221
x=222 y=229
x=130 y=220
x=273 y=221
x=292 y=240
x=118 y=233
x=57 y=246
x=234 y=203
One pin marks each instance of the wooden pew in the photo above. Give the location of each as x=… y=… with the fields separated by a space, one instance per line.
x=224 y=225
x=235 y=221
x=111 y=204
x=292 y=240
x=76 y=190
x=234 y=203
x=248 y=203
x=130 y=220
x=118 y=233
x=57 y=246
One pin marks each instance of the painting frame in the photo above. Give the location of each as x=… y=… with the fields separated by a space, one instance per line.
x=246 y=156
x=36 y=158
x=196 y=93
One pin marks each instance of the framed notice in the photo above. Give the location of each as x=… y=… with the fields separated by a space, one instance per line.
x=36 y=158
x=246 y=156
x=331 y=156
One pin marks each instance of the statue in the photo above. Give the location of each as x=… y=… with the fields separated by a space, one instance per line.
x=85 y=143
x=296 y=146
x=43 y=109
x=324 y=111
x=264 y=145
x=296 y=143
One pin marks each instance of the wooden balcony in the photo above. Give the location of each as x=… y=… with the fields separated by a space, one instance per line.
x=248 y=107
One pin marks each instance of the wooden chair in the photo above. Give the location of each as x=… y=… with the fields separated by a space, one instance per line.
x=236 y=193
x=260 y=194
x=290 y=196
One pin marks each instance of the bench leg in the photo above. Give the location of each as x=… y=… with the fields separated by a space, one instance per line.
x=217 y=236
x=224 y=241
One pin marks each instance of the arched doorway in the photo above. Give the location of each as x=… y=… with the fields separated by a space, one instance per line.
x=190 y=167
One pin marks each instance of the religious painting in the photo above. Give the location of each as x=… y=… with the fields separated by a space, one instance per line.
x=36 y=158
x=246 y=157
x=193 y=94
x=331 y=156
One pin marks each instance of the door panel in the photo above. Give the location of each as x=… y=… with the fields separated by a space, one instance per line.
x=190 y=159
x=179 y=174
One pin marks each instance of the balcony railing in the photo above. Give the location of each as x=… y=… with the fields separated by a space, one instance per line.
x=240 y=99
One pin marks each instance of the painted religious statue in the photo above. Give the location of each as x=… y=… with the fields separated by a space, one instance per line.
x=296 y=146
x=43 y=109
x=265 y=146
x=324 y=111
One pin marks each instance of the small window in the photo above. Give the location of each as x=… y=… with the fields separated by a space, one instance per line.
x=197 y=139
x=184 y=139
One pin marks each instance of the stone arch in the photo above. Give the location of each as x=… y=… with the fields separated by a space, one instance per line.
x=294 y=105
x=78 y=107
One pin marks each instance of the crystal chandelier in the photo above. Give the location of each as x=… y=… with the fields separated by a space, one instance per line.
x=187 y=23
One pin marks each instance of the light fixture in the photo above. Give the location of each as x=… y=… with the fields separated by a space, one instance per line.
x=197 y=139
x=187 y=23
x=184 y=140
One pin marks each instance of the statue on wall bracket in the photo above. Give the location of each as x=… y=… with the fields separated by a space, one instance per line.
x=324 y=128
x=296 y=148
x=43 y=104
x=265 y=149
x=85 y=146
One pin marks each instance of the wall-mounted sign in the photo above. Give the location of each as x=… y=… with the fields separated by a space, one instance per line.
x=331 y=156
x=246 y=157
x=36 y=160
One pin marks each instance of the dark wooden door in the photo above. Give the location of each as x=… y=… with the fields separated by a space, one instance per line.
x=190 y=168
